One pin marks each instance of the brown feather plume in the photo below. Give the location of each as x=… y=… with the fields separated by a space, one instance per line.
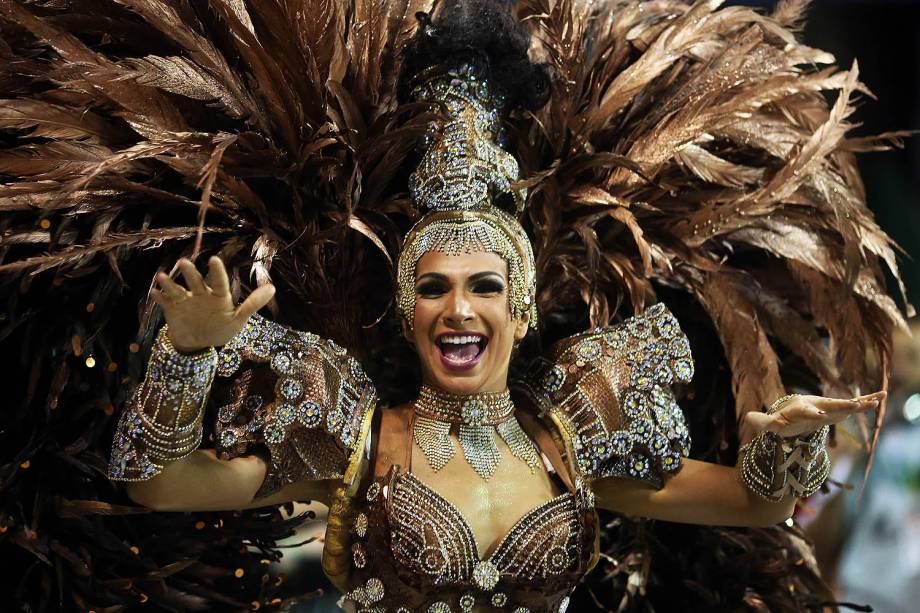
x=687 y=154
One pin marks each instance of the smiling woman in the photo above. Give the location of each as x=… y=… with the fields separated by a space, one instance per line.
x=463 y=330
x=593 y=423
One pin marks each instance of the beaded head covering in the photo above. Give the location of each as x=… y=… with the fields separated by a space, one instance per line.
x=463 y=176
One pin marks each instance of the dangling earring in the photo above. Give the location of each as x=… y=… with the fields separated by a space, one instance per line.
x=407 y=334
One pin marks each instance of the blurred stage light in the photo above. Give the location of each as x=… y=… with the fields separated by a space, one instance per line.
x=912 y=408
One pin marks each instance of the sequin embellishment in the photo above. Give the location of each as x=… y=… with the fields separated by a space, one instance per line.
x=644 y=356
x=431 y=535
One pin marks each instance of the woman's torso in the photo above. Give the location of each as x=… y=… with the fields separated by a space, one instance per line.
x=452 y=541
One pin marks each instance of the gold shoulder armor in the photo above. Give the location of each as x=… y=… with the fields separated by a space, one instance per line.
x=609 y=393
x=306 y=400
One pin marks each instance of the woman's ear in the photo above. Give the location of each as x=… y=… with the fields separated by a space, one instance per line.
x=407 y=333
x=521 y=326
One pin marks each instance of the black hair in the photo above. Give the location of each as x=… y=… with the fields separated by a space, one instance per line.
x=487 y=33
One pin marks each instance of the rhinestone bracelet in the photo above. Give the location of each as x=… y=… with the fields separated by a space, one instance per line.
x=162 y=422
x=773 y=466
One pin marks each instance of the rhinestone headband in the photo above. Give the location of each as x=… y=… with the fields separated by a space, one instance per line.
x=462 y=172
x=458 y=232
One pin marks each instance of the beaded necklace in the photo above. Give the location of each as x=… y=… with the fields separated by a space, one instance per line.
x=479 y=417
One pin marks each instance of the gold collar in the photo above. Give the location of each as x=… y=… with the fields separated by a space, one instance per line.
x=478 y=417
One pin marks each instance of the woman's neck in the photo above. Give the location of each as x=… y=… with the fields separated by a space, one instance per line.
x=483 y=408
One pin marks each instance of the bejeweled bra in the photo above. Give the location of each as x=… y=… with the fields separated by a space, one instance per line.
x=430 y=534
x=414 y=551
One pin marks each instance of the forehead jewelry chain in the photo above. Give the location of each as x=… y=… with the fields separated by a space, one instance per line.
x=478 y=418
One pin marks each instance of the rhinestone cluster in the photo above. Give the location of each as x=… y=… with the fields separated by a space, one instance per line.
x=470 y=231
x=632 y=367
x=774 y=467
x=304 y=398
x=163 y=421
x=480 y=418
x=462 y=172
x=463 y=166
x=432 y=536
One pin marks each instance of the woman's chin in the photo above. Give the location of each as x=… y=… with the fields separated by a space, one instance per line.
x=462 y=382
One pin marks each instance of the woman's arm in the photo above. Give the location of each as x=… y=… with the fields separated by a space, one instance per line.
x=700 y=493
x=162 y=423
x=712 y=494
x=202 y=482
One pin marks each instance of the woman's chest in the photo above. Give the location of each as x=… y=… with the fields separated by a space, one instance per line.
x=449 y=540
x=415 y=549
x=489 y=508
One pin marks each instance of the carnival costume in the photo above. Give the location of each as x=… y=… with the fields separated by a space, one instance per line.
x=682 y=149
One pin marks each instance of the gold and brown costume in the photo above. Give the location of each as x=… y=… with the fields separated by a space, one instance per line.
x=600 y=404
x=688 y=153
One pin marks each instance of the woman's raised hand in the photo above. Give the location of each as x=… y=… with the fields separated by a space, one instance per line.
x=803 y=414
x=203 y=314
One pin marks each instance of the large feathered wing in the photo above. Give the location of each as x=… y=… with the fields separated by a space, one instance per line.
x=136 y=132
x=703 y=157
x=696 y=155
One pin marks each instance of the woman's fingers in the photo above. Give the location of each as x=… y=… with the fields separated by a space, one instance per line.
x=217 y=277
x=172 y=289
x=867 y=402
x=192 y=277
x=805 y=414
x=255 y=301
x=161 y=298
x=835 y=404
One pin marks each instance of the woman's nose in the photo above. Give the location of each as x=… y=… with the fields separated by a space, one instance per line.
x=458 y=309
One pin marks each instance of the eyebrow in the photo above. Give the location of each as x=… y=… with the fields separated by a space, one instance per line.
x=436 y=276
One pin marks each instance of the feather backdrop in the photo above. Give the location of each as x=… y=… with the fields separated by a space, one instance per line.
x=689 y=153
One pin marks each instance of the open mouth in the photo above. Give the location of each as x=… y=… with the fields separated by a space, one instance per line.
x=461 y=351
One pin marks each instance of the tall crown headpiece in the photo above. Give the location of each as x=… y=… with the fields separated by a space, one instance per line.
x=463 y=176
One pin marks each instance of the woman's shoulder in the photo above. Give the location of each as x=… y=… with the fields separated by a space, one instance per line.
x=302 y=397
x=609 y=394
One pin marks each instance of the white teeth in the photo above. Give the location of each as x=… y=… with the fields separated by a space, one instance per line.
x=460 y=340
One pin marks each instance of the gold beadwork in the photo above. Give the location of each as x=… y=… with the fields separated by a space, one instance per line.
x=479 y=417
x=610 y=392
x=162 y=423
x=488 y=408
x=431 y=536
x=462 y=173
x=463 y=166
x=773 y=466
x=459 y=232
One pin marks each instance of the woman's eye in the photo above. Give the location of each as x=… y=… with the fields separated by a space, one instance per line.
x=489 y=287
x=429 y=289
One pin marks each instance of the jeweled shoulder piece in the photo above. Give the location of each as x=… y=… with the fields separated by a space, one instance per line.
x=609 y=391
x=314 y=417
x=463 y=167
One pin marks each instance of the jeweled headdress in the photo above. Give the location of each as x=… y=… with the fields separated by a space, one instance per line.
x=463 y=177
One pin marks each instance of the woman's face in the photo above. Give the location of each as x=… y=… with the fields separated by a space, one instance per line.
x=463 y=330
